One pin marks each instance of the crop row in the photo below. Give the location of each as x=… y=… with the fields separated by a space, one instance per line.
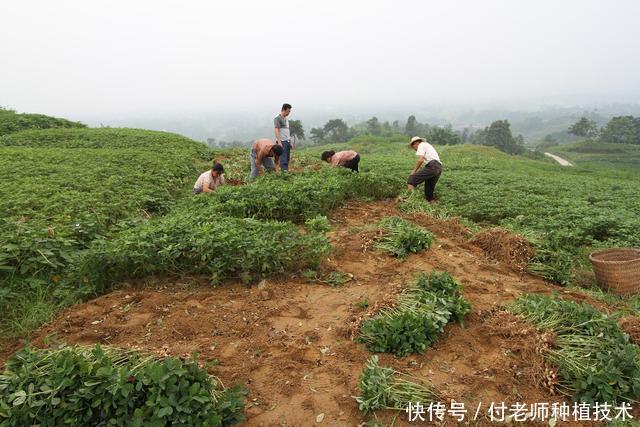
x=241 y=232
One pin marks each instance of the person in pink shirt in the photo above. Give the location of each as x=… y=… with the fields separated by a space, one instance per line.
x=348 y=159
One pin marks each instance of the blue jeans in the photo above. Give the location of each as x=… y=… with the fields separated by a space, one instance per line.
x=267 y=163
x=286 y=156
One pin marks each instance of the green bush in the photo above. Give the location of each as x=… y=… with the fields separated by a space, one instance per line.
x=418 y=318
x=318 y=224
x=108 y=386
x=401 y=237
x=594 y=357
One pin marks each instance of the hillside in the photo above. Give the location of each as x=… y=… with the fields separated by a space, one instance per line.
x=62 y=189
x=292 y=282
x=10 y=122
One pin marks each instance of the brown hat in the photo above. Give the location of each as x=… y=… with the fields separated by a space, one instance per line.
x=414 y=140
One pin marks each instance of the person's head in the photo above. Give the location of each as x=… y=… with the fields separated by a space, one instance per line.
x=327 y=155
x=217 y=169
x=286 y=109
x=277 y=150
x=415 y=141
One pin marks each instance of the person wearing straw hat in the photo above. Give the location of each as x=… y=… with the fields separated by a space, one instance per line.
x=430 y=173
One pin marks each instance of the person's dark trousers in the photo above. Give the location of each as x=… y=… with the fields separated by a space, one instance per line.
x=429 y=175
x=285 y=156
x=353 y=163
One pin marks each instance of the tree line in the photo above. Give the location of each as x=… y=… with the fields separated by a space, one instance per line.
x=337 y=130
x=497 y=135
x=619 y=130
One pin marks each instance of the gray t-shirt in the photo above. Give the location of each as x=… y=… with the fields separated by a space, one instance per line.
x=282 y=123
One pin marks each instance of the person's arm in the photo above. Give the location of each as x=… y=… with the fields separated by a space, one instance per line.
x=418 y=164
x=276 y=131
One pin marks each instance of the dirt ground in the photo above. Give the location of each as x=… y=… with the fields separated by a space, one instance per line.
x=287 y=339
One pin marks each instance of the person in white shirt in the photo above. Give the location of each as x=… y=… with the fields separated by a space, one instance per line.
x=210 y=180
x=431 y=171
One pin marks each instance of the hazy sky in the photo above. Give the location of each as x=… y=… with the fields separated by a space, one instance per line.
x=79 y=58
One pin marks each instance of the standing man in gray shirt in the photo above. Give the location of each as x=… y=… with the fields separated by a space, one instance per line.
x=283 y=137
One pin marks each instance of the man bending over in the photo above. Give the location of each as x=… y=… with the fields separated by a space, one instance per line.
x=263 y=153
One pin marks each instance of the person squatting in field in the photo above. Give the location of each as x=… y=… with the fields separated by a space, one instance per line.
x=283 y=136
x=348 y=159
x=210 y=180
x=431 y=171
x=262 y=154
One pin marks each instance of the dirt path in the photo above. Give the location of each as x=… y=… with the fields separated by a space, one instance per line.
x=559 y=159
x=287 y=340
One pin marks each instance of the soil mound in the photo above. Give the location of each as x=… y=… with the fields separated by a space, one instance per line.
x=503 y=246
x=530 y=346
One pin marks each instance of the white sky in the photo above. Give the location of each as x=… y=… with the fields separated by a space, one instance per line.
x=73 y=58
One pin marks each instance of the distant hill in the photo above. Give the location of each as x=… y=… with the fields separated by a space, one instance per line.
x=10 y=122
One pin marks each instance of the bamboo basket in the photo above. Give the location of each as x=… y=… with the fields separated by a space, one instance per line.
x=617 y=270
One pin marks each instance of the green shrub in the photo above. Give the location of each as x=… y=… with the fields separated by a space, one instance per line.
x=594 y=357
x=108 y=386
x=318 y=224
x=418 y=318
x=401 y=237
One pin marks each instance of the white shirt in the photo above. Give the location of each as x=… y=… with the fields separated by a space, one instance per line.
x=427 y=151
x=206 y=180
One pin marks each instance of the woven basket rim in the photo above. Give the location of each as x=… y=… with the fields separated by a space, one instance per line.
x=593 y=256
